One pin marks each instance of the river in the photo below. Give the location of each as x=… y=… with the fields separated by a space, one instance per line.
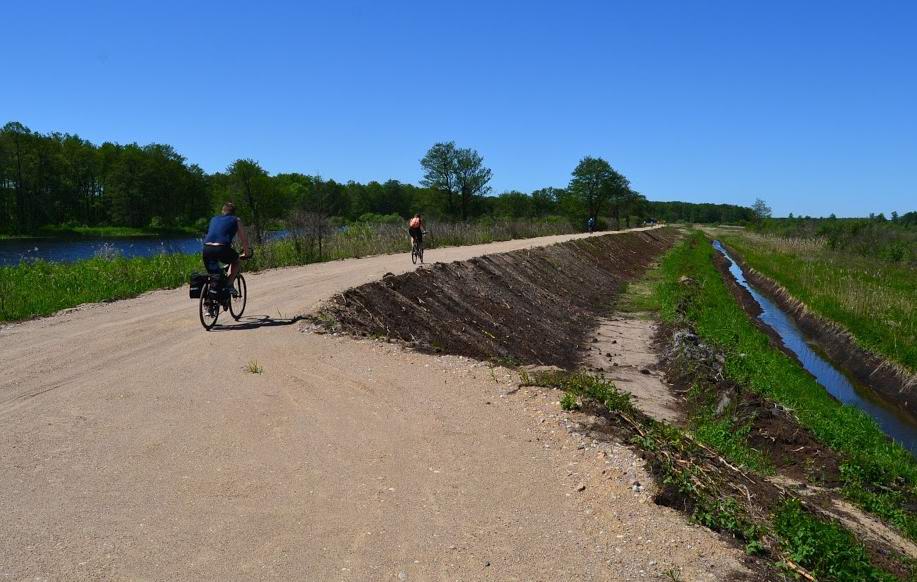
x=66 y=250
x=895 y=423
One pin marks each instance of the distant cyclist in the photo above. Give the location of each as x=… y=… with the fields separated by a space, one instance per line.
x=417 y=227
x=218 y=243
x=590 y=224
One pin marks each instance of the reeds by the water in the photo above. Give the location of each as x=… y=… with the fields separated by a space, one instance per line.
x=41 y=288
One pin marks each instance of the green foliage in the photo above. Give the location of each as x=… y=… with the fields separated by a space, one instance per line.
x=728 y=439
x=879 y=474
x=457 y=173
x=59 y=178
x=826 y=549
x=42 y=288
x=595 y=185
x=569 y=401
x=872 y=299
x=703 y=213
x=761 y=209
x=889 y=240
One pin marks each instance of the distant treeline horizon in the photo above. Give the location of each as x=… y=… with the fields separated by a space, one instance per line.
x=59 y=179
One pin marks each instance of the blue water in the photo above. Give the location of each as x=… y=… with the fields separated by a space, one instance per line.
x=66 y=250
x=895 y=423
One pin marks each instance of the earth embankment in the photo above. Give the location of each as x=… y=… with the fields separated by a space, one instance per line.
x=532 y=306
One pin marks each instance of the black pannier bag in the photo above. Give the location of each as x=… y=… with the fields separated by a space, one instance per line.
x=218 y=288
x=197 y=283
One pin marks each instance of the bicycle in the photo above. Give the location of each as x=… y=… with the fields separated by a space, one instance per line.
x=417 y=249
x=216 y=294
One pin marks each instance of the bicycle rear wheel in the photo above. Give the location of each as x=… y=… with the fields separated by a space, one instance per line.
x=420 y=252
x=237 y=304
x=209 y=310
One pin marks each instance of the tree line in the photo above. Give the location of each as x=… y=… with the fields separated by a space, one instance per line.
x=61 y=179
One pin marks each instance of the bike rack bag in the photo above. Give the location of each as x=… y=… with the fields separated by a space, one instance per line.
x=197 y=283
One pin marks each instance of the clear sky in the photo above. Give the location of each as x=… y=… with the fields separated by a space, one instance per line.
x=811 y=106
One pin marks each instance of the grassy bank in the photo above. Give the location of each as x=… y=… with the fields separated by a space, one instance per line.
x=878 y=474
x=873 y=299
x=42 y=288
x=730 y=500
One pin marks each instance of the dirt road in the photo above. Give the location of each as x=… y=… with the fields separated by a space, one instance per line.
x=134 y=446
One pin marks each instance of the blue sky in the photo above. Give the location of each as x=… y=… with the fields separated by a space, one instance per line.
x=811 y=106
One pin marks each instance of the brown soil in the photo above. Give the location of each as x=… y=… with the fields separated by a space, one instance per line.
x=889 y=381
x=623 y=351
x=534 y=306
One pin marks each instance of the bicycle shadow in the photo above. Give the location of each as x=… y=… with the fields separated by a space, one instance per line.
x=257 y=321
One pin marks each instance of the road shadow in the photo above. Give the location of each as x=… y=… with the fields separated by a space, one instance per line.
x=257 y=321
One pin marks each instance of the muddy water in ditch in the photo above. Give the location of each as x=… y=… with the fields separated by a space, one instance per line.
x=895 y=423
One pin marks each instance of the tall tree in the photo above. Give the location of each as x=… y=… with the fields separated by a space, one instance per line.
x=761 y=209
x=471 y=177
x=249 y=182
x=594 y=183
x=439 y=165
x=20 y=138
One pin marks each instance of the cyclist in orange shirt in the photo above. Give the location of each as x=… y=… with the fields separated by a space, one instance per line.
x=416 y=228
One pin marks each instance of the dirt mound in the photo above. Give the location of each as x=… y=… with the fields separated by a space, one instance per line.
x=532 y=306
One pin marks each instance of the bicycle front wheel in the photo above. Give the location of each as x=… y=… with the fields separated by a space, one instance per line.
x=237 y=304
x=209 y=310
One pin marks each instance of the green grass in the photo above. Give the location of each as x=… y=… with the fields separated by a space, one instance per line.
x=873 y=299
x=43 y=288
x=825 y=549
x=729 y=439
x=878 y=474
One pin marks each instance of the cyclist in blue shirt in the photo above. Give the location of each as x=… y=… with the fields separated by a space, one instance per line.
x=218 y=243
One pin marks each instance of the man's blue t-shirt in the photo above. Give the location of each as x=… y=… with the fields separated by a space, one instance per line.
x=222 y=229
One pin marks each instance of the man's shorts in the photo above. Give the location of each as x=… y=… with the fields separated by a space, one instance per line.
x=214 y=255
